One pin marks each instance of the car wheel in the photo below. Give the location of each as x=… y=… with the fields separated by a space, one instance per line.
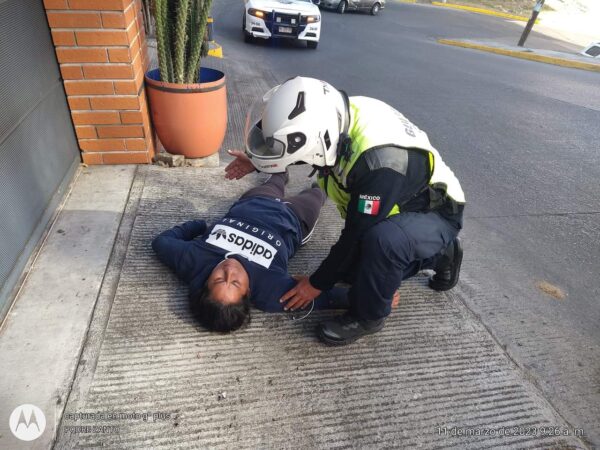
x=342 y=7
x=312 y=44
x=375 y=9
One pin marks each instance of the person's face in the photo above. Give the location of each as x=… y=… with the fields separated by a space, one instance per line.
x=228 y=282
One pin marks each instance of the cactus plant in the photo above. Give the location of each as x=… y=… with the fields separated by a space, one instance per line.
x=180 y=32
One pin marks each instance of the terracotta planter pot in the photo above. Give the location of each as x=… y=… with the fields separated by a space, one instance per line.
x=189 y=119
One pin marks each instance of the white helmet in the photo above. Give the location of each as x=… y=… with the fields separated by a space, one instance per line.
x=301 y=120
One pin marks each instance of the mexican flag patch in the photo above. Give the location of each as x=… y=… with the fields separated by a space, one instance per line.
x=368 y=204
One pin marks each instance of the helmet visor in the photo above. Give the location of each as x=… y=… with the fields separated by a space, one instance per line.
x=257 y=145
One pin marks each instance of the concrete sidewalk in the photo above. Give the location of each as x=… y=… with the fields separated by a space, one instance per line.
x=273 y=385
x=43 y=334
x=557 y=58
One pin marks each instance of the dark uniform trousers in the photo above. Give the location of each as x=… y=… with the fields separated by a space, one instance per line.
x=393 y=250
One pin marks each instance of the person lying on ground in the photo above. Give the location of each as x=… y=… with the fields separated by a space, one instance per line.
x=242 y=259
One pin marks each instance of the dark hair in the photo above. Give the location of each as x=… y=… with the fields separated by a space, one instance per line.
x=218 y=316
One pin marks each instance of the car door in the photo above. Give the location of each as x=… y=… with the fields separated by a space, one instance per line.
x=363 y=4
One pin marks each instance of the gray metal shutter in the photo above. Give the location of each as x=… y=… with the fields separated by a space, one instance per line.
x=38 y=148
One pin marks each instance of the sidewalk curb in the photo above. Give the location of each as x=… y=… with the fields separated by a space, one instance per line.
x=557 y=61
x=215 y=49
x=92 y=341
x=487 y=12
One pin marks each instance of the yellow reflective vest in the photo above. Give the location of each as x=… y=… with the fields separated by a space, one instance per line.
x=375 y=124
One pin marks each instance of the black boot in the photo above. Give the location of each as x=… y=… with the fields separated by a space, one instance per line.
x=447 y=268
x=344 y=330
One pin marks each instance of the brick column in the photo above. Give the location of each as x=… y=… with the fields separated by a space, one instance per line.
x=101 y=48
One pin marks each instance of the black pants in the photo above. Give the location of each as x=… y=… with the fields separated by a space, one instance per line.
x=395 y=249
x=306 y=206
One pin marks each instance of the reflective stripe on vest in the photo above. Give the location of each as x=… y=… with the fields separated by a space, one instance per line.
x=374 y=123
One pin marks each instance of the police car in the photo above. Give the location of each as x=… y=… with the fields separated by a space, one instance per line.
x=289 y=19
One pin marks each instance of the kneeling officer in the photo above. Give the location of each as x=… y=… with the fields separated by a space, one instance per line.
x=401 y=203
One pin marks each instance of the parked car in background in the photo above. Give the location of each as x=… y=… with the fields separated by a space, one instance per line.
x=592 y=50
x=288 y=19
x=341 y=6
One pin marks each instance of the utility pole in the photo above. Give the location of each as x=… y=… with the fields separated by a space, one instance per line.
x=536 y=10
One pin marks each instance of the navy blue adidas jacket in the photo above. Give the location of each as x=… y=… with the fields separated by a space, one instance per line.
x=261 y=233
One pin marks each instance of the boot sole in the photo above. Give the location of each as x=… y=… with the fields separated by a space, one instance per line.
x=335 y=343
x=440 y=286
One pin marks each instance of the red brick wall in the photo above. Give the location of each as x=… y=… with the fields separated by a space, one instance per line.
x=101 y=49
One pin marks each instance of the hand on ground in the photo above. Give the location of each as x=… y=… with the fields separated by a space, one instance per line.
x=239 y=167
x=300 y=295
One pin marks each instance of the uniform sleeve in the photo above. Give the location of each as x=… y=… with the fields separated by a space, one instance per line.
x=372 y=198
x=171 y=246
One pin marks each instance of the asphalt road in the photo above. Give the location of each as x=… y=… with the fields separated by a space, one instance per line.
x=524 y=139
